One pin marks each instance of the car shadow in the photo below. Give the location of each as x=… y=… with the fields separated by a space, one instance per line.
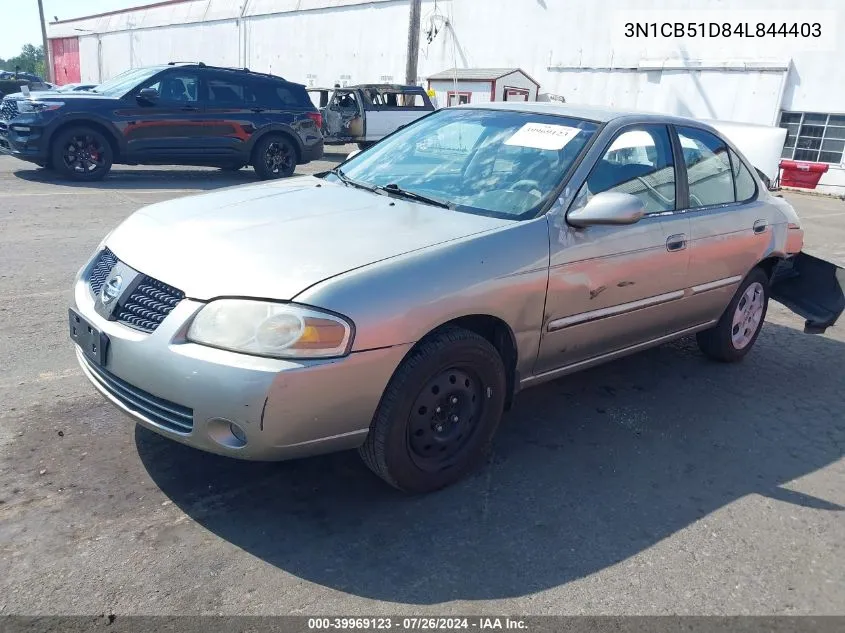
x=337 y=156
x=147 y=178
x=586 y=472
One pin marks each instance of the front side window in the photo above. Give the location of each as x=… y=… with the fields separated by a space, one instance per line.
x=708 y=168
x=499 y=163
x=177 y=87
x=121 y=84
x=638 y=162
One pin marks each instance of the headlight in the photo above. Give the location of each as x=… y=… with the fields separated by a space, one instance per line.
x=277 y=330
x=28 y=105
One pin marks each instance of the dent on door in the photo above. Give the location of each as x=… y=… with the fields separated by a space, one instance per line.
x=812 y=288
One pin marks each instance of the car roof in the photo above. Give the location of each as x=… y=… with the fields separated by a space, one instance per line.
x=578 y=111
x=367 y=86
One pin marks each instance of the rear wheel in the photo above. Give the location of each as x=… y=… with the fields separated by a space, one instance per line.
x=81 y=153
x=275 y=157
x=737 y=331
x=438 y=414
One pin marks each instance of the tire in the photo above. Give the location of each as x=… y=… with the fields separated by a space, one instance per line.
x=274 y=157
x=81 y=153
x=459 y=375
x=722 y=342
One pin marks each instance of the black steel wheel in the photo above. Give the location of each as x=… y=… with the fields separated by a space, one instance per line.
x=438 y=414
x=82 y=153
x=444 y=418
x=275 y=157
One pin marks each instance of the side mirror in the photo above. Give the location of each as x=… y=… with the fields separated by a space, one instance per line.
x=150 y=95
x=608 y=208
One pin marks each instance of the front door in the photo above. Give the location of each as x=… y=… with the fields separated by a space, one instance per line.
x=169 y=125
x=614 y=287
x=343 y=119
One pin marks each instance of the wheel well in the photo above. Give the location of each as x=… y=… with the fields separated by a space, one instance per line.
x=102 y=129
x=274 y=133
x=769 y=264
x=499 y=335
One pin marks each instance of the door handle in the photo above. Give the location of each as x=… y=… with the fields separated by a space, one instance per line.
x=760 y=226
x=676 y=242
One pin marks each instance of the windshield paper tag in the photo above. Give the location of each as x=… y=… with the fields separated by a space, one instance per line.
x=543 y=136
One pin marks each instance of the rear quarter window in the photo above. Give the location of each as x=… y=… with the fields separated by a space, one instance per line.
x=280 y=95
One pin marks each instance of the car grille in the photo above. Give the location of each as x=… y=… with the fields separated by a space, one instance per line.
x=102 y=267
x=147 y=306
x=169 y=415
x=8 y=109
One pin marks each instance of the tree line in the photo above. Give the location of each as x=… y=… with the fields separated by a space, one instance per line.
x=30 y=60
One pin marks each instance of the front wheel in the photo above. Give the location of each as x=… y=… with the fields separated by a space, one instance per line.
x=439 y=412
x=81 y=153
x=737 y=331
x=275 y=157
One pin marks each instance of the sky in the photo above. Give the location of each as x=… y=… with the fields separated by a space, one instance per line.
x=20 y=23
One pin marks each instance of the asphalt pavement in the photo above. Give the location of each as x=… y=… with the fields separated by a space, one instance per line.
x=660 y=483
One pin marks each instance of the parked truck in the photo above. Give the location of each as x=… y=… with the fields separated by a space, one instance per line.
x=366 y=113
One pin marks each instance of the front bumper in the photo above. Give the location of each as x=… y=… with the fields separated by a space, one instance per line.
x=22 y=138
x=286 y=409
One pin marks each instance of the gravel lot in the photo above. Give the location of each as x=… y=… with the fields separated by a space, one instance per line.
x=661 y=483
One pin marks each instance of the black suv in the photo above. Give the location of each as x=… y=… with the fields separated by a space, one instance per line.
x=177 y=114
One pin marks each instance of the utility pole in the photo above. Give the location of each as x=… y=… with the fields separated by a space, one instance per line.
x=413 y=43
x=48 y=58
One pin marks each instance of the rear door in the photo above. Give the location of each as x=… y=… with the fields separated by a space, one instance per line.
x=731 y=227
x=391 y=108
x=230 y=120
x=169 y=127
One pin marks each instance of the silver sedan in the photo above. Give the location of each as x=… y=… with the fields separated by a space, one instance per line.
x=399 y=302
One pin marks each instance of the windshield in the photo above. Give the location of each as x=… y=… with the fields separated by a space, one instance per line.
x=493 y=162
x=124 y=82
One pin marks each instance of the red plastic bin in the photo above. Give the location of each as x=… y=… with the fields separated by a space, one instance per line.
x=801 y=174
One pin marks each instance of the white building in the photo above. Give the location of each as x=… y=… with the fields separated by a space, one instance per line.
x=577 y=49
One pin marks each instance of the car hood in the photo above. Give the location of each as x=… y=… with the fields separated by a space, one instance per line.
x=275 y=239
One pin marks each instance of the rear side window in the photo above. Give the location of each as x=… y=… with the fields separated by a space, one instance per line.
x=708 y=164
x=746 y=187
x=396 y=98
x=225 y=91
